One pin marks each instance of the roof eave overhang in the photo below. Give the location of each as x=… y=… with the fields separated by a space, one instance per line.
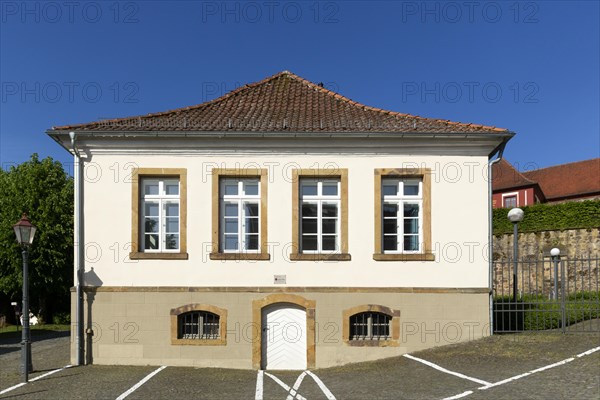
x=290 y=134
x=515 y=187
x=62 y=136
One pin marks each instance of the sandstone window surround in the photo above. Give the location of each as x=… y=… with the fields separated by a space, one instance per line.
x=416 y=183
x=159 y=213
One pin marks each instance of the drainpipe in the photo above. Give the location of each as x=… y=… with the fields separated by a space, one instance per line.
x=491 y=232
x=79 y=249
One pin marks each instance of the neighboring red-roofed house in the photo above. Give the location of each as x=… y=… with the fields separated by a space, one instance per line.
x=559 y=183
x=511 y=188
x=574 y=181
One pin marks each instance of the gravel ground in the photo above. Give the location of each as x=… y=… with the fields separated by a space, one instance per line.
x=491 y=359
x=200 y=383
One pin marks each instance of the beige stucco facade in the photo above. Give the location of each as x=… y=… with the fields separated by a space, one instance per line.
x=134 y=326
x=128 y=301
x=458 y=215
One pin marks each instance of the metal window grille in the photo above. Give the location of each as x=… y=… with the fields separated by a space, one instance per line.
x=370 y=326
x=199 y=325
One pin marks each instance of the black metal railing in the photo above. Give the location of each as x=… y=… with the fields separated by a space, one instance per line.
x=551 y=293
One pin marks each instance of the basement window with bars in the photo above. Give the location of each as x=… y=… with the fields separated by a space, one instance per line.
x=199 y=325
x=370 y=326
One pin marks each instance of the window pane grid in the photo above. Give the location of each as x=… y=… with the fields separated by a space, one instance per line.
x=510 y=201
x=199 y=325
x=370 y=326
x=401 y=215
x=240 y=215
x=319 y=219
x=160 y=215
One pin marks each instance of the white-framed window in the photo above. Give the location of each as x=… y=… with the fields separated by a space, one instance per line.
x=240 y=215
x=402 y=214
x=160 y=215
x=510 y=200
x=320 y=215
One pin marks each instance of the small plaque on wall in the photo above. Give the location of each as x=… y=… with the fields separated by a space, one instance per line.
x=279 y=279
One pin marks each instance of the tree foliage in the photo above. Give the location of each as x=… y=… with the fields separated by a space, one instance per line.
x=43 y=190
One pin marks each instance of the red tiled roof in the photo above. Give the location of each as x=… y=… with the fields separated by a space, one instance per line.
x=568 y=180
x=505 y=176
x=282 y=102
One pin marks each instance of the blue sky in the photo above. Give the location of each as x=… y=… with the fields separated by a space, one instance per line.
x=532 y=67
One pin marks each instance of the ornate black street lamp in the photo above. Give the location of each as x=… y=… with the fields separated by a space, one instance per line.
x=25 y=232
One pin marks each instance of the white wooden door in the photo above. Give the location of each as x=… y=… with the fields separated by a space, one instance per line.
x=283 y=337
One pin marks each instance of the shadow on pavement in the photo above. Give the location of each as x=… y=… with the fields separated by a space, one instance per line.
x=10 y=341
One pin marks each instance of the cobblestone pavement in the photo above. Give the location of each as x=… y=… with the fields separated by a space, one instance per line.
x=493 y=359
x=50 y=350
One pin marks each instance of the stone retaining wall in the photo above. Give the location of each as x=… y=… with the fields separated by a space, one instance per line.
x=580 y=250
x=573 y=243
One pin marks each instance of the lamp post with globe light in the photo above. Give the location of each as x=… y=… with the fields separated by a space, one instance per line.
x=515 y=215
x=555 y=253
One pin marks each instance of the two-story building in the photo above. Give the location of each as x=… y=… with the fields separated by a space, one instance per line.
x=280 y=226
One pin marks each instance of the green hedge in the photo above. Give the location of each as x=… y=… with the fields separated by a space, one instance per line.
x=548 y=316
x=549 y=217
x=533 y=313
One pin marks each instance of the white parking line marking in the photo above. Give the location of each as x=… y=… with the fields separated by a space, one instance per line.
x=140 y=383
x=283 y=385
x=459 y=396
x=34 y=379
x=514 y=378
x=49 y=373
x=259 y=385
x=458 y=374
x=324 y=388
x=18 y=385
x=587 y=353
x=297 y=384
x=293 y=391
